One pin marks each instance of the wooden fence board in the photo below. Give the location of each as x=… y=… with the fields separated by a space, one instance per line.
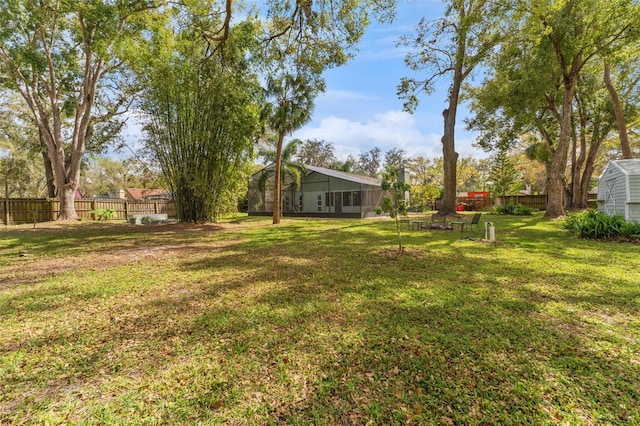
x=43 y=210
x=536 y=202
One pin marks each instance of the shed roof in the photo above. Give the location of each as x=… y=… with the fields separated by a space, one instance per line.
x=628 y=167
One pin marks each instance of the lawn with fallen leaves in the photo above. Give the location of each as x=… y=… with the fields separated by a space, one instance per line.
x=316 y=322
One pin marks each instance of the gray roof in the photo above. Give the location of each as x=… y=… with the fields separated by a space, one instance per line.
x=366 y=180
x=628 y=167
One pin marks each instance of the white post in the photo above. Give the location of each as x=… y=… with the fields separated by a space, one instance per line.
x=489 y=231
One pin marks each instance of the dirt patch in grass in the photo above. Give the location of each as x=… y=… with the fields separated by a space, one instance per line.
x=28 y=266
x=632 y=240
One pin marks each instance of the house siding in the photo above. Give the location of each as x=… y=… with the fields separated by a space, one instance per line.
x=310 y=199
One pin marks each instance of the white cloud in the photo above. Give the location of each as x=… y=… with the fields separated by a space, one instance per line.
x=391 y=129
x=384 y=53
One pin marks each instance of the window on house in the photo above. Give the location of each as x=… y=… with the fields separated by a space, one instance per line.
x=328 y=199
x=356 y=198
x=319 y=202
x=346 y=199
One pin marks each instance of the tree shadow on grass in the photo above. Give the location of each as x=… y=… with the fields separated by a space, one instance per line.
x=303 y=328
x=466 y=314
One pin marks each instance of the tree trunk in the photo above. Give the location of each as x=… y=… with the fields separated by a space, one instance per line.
x=277 y=185
x=450 y=159
x=577 y=191
x=617 y=110
x=572 y=188
x=48 y=173
x=587 y=173
x=66 y=193
x=556 y=185
x=67 y=204
x=48 y=168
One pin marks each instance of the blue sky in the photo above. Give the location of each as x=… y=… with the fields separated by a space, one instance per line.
x=360 y=108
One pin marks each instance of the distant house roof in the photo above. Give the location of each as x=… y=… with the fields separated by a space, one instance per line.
x=140 y=194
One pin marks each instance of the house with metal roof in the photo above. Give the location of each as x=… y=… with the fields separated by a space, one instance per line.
x=619 y=189
x=321 y=193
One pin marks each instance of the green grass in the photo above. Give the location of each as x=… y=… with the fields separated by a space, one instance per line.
x=316 y=322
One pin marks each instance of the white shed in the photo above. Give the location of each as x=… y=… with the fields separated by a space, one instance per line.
x=619 y=189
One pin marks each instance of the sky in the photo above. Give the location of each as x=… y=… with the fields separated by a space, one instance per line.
x=360 y=109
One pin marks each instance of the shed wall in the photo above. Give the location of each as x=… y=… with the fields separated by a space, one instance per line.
x=619 y=190
x=634 y=188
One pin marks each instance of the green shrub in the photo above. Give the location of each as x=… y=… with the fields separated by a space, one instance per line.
x=147 y=220
x=593 y=224
x=515 y=209
x=104 y=214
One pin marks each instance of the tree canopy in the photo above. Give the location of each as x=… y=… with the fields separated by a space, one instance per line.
x=450 y=47
x=562 y=42
x=67 y=62
x=203 y=115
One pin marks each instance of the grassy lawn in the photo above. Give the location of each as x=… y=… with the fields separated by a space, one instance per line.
x=316 y=322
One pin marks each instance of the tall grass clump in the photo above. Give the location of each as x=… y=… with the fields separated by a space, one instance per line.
x=593 y=224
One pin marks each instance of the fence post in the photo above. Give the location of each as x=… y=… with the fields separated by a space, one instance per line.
x=155 y=207
x=126 y=210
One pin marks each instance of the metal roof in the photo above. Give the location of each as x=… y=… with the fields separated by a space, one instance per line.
x=366 y=180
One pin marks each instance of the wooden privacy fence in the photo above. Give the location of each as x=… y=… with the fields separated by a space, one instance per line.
x=536 y=202
x=22 y=210
x=539 y=202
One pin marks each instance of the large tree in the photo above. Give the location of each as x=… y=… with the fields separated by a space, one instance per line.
x=450 y=47
x=503 y=175
x=203 y=116
x=316 y=152
x=395 y=157
x=290 y=167
x=558 y=40
x=65 y=60
x=370 y=162
x=289 y=107
x=426 y=181
x=569 y=36
x=622 y=77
